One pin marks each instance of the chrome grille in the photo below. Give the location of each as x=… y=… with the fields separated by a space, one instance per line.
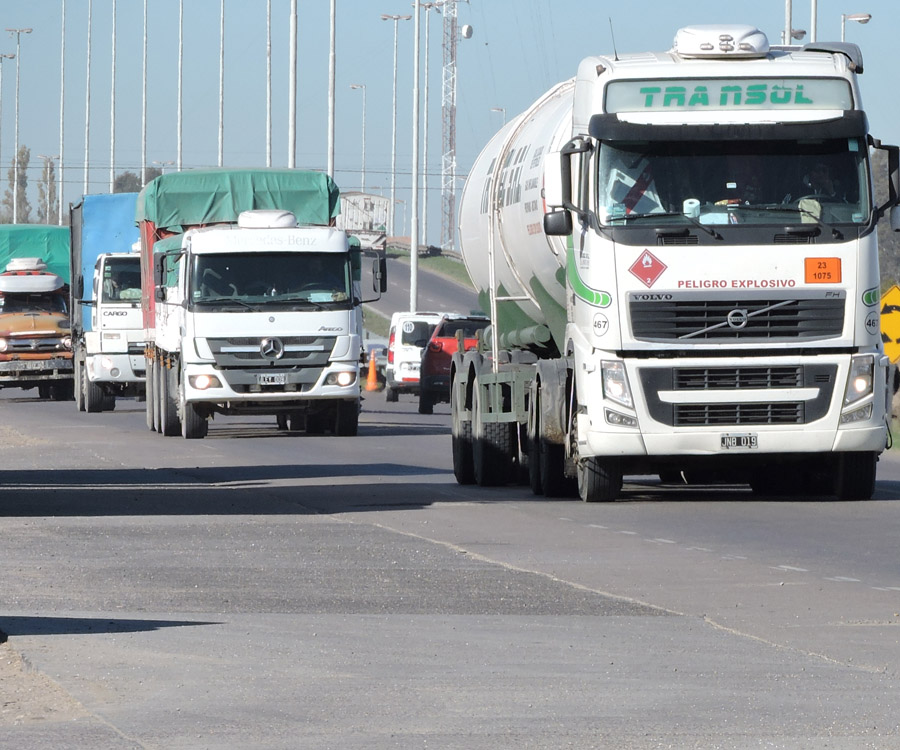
x=717 y=378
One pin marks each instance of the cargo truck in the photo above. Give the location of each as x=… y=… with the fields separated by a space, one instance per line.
x=252 y=301
x=105 y=301
x=35 y=337
x=673 y=288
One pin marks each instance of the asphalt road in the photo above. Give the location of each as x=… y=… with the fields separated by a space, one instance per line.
x=266 y=590
x=435 y=293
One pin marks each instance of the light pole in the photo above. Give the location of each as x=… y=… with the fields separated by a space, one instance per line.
x=332 y=44
x=501 y=110
x=222 y=83
x=363 y=174
x=62 y=100
x=428 y=7
x=163 y=164
x=112 y=106
x=18 y=33
x=858 y=17
x=414 y=183
x=2 y=58
x=87 y=99
x=48 y=164
x=395 y=19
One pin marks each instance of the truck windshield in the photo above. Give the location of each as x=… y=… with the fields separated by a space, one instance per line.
x=121 y=279
x=26 y=303
x=267 y=279
x=733 y=182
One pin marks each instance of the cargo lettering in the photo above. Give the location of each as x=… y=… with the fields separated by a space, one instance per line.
x=734 y=95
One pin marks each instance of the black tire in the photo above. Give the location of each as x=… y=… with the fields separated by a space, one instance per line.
x=281 y=421
x=535 y=480
x=44 y=392
x=599 y=479
x=109 y=402
x=94 y=396
x=492 y=447
x=346 y=419
x=63 y=390
x=854 y=477
x=194 y=425
x=426 y=402
x=79 y=376
x=390 y=395
x=169 y=425
x=461 y=442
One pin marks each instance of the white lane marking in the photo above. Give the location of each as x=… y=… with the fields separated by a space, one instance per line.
x=791 y=568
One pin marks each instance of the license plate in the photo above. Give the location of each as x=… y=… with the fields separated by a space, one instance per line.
x=274 y=378
x=740 y=441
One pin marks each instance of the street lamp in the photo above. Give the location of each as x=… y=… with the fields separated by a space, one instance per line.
x=363 y=176
x=48 y=163
x=18 y=33
x=2 y=58
x=395 y=19
x=858 y=17
x=502 y=110
x=163 y=164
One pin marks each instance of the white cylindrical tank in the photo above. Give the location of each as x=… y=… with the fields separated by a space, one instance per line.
x=502 y=211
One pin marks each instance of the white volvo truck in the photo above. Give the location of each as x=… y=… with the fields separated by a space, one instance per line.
x=258 y=317
x=678 y=252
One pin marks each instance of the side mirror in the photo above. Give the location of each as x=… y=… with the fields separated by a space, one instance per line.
x=159 y=293
x=379 y=272
x=558 y=224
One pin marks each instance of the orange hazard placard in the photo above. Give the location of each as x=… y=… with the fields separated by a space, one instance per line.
x=822 y=270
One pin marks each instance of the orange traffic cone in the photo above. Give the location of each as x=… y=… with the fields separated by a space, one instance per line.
x=372 y=379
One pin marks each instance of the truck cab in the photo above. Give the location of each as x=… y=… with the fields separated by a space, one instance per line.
x=35 y=337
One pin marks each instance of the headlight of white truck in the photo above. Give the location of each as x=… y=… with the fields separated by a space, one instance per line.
x=860 y=380
x=615 y=383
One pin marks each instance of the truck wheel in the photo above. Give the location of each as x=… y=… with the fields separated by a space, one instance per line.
x=461 y=441
x=168 y=393
x=346 y=420
x=150 y=392
x=194 y=425
x=79 y=375
x=109 y=402
x=44 y=392
x=492 y=447
x=93 y=396
x=390 y=395
x=426 y=402
x=599 y=479
x=855 y=476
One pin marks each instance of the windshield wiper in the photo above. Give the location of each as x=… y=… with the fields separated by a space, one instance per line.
x=835 y=233
x=226 y=300
x=695 y=222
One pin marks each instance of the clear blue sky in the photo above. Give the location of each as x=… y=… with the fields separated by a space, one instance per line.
x=518 y=50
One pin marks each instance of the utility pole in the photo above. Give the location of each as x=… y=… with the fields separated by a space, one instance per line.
x=112 y=106
x=2 y=58
x=414 y=210
x=18 y=33
x=395 y=19
x=292 y=91
x=87 y=102
x=331 y=63
x=222 y=83
x=62 y=99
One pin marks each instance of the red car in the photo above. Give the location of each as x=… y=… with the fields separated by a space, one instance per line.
x=444 y=342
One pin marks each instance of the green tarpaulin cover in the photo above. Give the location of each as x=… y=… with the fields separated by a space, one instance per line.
x=178 y=200
x=49 y=243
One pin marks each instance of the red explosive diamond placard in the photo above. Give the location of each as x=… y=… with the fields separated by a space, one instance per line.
x=648 y=268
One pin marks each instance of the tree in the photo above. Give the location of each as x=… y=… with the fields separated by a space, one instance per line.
x=48 y=202
x=129 y=182
x=23 y=207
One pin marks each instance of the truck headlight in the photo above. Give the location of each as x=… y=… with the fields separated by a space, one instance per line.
x=861 y=378
x=342 y=379
x=67 y=342
x=615 y=383
x=4 y=345
x=202 y=382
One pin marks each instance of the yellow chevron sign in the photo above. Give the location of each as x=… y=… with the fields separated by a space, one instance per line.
x=890 y=323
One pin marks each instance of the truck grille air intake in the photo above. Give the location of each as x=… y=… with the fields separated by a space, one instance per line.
x=735 y=319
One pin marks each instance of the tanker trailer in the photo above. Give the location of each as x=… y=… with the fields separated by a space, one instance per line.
x=671 y=291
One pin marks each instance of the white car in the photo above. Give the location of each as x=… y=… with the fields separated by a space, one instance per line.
x=407 y=340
